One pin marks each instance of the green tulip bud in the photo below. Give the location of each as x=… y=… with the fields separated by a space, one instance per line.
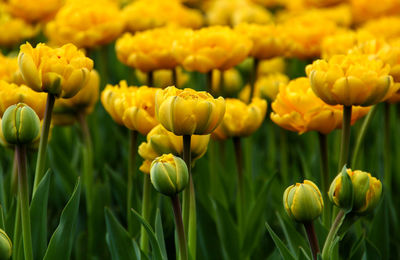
x=303 y=201
x=20 y=124
x=169 y=174
x=5 y=246
x=341 y=191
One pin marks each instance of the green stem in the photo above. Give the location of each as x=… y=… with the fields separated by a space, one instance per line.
x=174 y=77
x=14 y=176
x=179 y=228
x=386 y=149
x=44 y=136
x=150 y=78
x=131 y=173
x=209 y=77
x=17 y=231
x=239 y=163
x=253 y=79
x=323 y=146
x=144 y=239
x=284 y=155
x=24 y=199
x=312 y=238
x=332 y=234
x=345 y=141
x=189 y=200
x=361 y=135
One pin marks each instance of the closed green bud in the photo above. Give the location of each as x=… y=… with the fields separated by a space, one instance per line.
x=303 y=201
x=341 y=190
x=169 y=174
x=5 y=246
x=20 y=124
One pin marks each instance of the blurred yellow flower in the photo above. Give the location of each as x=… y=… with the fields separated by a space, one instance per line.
x=115 y=101
x=364 y=10
x=241 y=119
x=214 y=47
x=231 y=81
x=8 y=68
x=142 y=15
x=11 y=94
x=60 y=71
x=352 y=80
x=66 y=111
x=270 y=3
x=161 y=141
x=86 y=23
x=298 y=109
x=145 y=50
x=34 y=11
x=188 y=112
x=273 y=65
x=268 y=40
x=145 y=167
x=164 y=78
x=386 y=27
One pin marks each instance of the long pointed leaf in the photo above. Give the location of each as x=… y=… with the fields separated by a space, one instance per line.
x=285 y=253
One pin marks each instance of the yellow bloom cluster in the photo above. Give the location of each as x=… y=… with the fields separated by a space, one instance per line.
x=386 y=27
x=274 y=65
x=8 y=68
x=131 y=106
x=34 y=11
x=240 y=119
x=215 y=47
x=364 y=10
x=86 y=23
x=297 y=108
x=147 y=14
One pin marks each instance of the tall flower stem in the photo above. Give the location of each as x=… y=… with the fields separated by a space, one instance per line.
x=323 y=147
x=131 y=173
x=179 y=227
x=87 y=177
x=189 y=200
x=345 y=141
x=361 y=135
x=332 y=234
x=174 y=77
x=23 y=190
x=240 y=178
x=150 y=78
x=17 y=230
x=253 y=78
x=386 y=149
x=144 y=239
x=44 y=136
x=284 y=156
x=312 y=239
x=14 y=176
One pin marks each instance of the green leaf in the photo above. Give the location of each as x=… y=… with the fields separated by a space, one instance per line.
x=295 y=240
x=152 y=237
x=283 y=250
x=160 y=234
x=2 y=218
x=38 y=211
x=63 y=237
x=302 y=254
x=118 y=240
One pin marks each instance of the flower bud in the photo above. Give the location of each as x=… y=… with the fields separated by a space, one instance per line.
x=303 y=201
x=341 y=190
x=169 y=174
x=5 y=246
x=20 y=124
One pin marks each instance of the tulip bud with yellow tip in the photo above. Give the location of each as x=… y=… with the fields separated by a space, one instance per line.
x=366 y=191
x=20 y=124
x=188 y=112
x=169 y=174
x=5 y=246
x=303 y=201
x=61 y=72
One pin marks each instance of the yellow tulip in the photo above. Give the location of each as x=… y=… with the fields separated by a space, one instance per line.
x=364 y=10
x=240 y=119
x=8 y=68
x=61 y=71
x=161 y=141
x=66 y=111
x=269 y=66
x=164 y=78
x=266 y=86
x=214 y=47
x=86 y=23
x=34 y=11
x=352 y=80
x=297 y=108
x=386 y=27
x=115 y=101
x=231 y=81
x=188 y=112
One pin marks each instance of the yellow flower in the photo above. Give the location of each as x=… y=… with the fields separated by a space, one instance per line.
x=116 y=99
x=147 y=14
x=352 y=80
x=273 y=65
x=164 y=78
x=386 y=27
x=268 y=40
x=34 y=11
x=214 y=47
x=298 y=109
x=267 y=86
x=342 y=42
x=13 y=29
x=232 y=82
x=305 y=35
x=145 y=167
x=145 y=50
x=241 y=119
x=161 y=141
x=11 y=94
x=61 y=71
x=364 y=10
x=303 y=201
x=86 y=24
x=8 y=68
x=367 y=191
x=66 y=111
x=250 y=13
x=188 y=112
